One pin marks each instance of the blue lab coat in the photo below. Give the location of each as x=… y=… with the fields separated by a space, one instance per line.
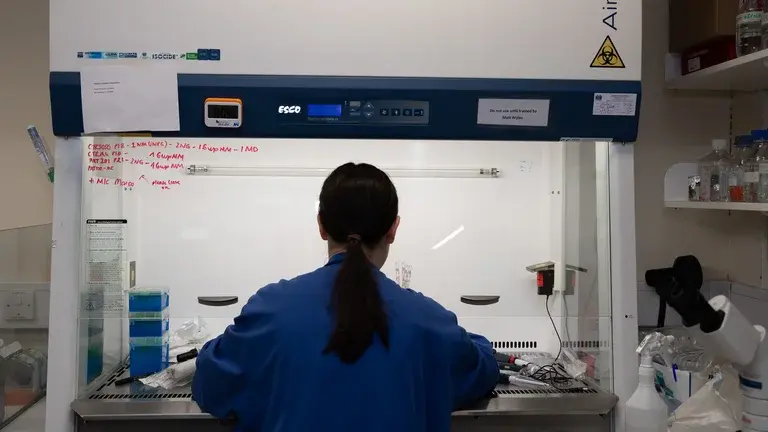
x=268 y=370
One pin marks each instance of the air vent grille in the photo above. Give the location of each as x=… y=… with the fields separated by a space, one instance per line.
x=141 y=396
x=520 y=392
x=114 y=377
x=515 y=344
x=577 y=344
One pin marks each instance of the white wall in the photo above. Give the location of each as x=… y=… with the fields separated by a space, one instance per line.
x=25 y=254
x=25 y=193
x=677 y=128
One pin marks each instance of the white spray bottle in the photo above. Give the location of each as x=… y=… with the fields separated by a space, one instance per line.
x=646 y=410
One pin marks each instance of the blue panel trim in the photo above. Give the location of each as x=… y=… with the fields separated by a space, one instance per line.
x=452 y=106
x=750 y=384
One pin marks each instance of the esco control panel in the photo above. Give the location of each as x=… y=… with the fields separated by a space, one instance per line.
x=375 y=112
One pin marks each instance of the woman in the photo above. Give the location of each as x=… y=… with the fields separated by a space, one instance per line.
x=344 y=348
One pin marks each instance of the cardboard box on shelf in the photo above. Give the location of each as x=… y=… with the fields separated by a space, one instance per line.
x=702 y=56
x=695 y=22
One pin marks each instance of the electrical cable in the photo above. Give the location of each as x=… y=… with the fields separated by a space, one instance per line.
x=559 y=340
x=567 y=316
x=553 y=374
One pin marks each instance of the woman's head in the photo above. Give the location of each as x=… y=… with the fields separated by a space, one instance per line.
x=358 y=214
x=359 y=201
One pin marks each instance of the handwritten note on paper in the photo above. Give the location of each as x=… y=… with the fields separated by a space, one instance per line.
x=129 y=98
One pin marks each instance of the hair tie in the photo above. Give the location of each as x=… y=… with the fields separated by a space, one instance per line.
x=353 y=238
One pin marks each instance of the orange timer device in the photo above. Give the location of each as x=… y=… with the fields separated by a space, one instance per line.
x=223 y=112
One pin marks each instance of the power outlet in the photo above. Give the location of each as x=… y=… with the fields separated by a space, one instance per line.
x=18 y=305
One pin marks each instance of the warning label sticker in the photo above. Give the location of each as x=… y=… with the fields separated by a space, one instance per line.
x=102 y=305
x=614 y=104
x=607 y=56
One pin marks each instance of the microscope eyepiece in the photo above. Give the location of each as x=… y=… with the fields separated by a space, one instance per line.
x=679 y=287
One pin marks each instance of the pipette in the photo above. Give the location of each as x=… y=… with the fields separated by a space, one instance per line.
x=502 y=358
x=42 y=151
x=522 y=381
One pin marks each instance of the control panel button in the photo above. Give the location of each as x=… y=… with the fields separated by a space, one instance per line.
x=418 y=112
x=407 y=112
x=383 y=112
x=395 y=112
x=368 y=106
x=368 y=114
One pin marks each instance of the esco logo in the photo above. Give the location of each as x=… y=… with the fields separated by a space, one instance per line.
x=286 y=109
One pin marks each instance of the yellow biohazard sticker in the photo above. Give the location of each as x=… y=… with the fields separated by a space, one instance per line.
x=608 y=56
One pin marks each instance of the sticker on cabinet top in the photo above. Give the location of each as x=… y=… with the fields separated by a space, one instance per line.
x=513 y=112
x=614 y=104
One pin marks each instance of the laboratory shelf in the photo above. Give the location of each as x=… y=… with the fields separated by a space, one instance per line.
x=676 y=192
x=735 y=206
x=748 y=73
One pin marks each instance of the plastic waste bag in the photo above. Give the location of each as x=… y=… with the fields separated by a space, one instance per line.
x=178 y=375
x=576 y=368
x=194 y=330
x=191 y=334
x=716 y=407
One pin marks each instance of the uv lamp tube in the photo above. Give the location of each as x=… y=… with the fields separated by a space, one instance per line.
x=210 y=170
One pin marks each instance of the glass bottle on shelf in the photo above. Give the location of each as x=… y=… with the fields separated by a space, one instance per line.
x=760 y=163
x=743 y=152
x=749 y=23
x=717 y=170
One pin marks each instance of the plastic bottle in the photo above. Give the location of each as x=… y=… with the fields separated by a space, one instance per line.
x=746 y=188
x=749 y=23
x=645 y=409
x=717 y=170
x=760 y=163
x=751 y=168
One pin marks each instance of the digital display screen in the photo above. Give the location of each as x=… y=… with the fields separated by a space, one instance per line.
x=324 y=110
x=228 y=112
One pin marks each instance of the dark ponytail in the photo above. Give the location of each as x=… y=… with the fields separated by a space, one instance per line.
x=358 y=206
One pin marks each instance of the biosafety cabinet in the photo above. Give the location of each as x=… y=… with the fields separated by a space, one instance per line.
x=507 y=127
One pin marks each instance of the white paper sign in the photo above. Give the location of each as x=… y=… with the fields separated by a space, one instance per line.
x=614 y=104
x=130 y=98
x=513 y=112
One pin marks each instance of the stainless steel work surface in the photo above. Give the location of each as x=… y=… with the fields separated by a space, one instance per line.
x=139 y=402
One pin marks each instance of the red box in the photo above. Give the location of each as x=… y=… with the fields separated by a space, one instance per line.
x=708 y=54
